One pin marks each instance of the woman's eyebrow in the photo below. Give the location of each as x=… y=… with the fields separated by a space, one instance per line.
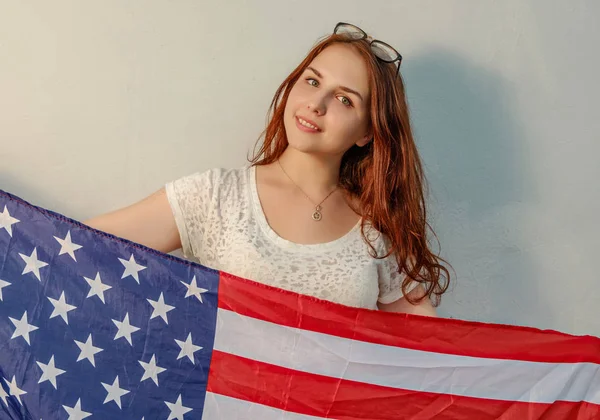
x=344 y=88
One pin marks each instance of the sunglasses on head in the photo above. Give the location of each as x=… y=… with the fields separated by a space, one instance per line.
x=382 y=50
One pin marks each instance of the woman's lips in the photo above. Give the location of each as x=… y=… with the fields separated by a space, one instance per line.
x=305 y=128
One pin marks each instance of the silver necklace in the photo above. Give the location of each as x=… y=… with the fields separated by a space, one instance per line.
x=317 y=216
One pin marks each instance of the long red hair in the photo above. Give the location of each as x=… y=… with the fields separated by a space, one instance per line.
x=385 y=176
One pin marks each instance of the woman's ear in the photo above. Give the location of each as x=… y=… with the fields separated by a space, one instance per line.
x=365 y=140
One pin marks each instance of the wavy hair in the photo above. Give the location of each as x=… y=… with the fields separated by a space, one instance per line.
x=385 y=176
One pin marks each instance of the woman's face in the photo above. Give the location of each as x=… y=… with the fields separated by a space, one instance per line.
x=333 y=94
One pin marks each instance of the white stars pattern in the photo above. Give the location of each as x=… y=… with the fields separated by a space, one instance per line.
x=67 y=246
x=125 y=329
x=151 y=370
x=61 y=307
x=194 y=290
x=160 y=308
x=32 y=264
x=97 y=288
x=187 y=348
x=49 y=372
x=60 y=254
x=76 y=413
x=177 y=409
x=88 y=351
x=6 y=221
x=114 y=392
x=132 y=268
x=22 y=327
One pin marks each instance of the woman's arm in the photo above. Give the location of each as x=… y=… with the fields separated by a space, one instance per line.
x=149 y=222
x=402 y=305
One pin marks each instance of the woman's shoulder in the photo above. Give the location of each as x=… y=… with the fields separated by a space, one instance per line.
x=201 y=188
x=374 y=237
x=218 y=174
x=216 y=178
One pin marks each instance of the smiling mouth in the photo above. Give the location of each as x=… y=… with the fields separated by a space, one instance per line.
x=307 y=124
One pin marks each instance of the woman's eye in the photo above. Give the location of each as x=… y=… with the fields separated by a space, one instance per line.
x=312 y=80
x=345 y=101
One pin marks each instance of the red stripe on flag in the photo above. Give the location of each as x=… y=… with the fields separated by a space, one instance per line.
x=327 y=397
x=441 y=335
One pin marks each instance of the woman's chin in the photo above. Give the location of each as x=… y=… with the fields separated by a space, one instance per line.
x=304 y=145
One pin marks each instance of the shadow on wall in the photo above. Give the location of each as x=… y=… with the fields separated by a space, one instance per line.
x=476 y=163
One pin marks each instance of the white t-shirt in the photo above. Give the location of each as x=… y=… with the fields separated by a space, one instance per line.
x=222 y=225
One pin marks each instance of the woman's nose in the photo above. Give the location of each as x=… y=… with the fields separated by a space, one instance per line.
x=317 y=103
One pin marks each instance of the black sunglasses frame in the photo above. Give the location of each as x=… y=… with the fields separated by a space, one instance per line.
x=373 y=41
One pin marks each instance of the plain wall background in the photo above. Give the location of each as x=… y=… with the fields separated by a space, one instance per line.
x=101 y=103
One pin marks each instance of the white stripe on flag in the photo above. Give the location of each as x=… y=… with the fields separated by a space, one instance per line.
x=322 y=354
x=220 y=407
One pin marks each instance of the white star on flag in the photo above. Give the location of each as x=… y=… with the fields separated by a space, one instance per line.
x=177 y=409
x=3 y=394
x=67 y=247
x=97 y=288
x=151 y=370
x=194 y=290
x=114 y=392
x=50 y=372
x=22 y=327
x=6 y=221
x=125 y=329
x=76 y=413
x=3 y=284
x=87 y=350
x=187 y=348
x=14 y=390
x=132 y=268
x=32 y=264
x=160 y=308
x=61 y=307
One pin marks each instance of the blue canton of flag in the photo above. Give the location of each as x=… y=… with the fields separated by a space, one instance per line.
x=94 y=326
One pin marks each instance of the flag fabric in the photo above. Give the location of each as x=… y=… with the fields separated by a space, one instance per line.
x=95 y=326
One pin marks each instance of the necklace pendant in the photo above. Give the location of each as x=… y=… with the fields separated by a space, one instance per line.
x=317 y=216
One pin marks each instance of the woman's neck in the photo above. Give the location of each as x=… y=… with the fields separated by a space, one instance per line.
x=314 y=175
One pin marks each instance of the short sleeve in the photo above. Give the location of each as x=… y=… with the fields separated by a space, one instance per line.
x=390 y=280
x=190 y=198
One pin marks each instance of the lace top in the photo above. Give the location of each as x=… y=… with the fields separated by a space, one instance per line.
x=222 y=225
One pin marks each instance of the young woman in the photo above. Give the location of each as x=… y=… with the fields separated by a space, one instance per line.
x=332 y=204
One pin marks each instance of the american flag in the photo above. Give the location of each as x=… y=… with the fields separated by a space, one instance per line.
x=94 y=326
